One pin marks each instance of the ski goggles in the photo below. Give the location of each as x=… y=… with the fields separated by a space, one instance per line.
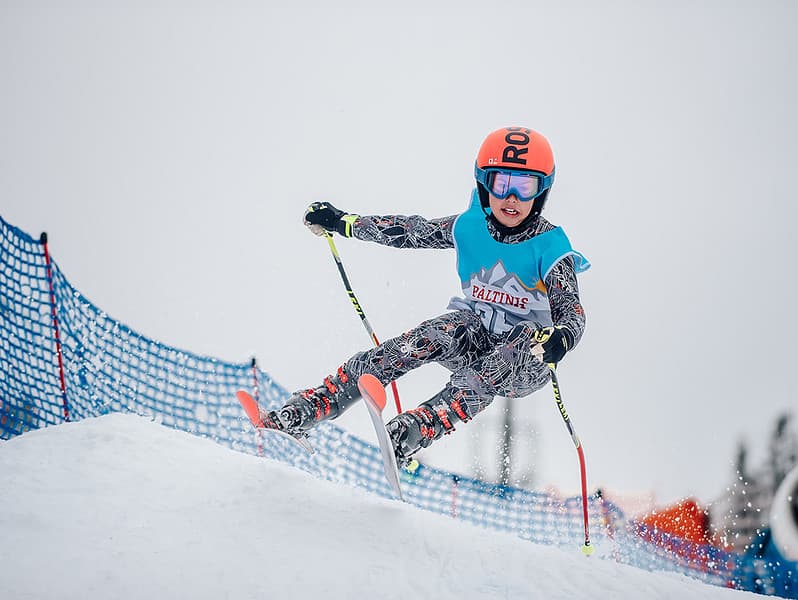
x=501 y=183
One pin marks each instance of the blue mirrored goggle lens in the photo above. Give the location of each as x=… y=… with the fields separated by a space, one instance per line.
x=504 y=183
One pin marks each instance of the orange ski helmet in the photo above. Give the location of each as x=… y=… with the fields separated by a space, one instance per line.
x=517 y=149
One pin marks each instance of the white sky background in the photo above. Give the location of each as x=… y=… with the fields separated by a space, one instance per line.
x=170 y=148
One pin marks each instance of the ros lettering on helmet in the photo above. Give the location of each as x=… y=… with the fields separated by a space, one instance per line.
x=516 y=136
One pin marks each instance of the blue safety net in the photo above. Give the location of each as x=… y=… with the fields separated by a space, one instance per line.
x=62 y=358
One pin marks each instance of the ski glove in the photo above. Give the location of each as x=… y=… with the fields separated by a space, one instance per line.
x=551 y=344
x=322 y=218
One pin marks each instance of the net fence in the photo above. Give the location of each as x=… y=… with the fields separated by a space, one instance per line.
x=62 y=358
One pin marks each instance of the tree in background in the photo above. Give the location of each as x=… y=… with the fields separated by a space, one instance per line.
x=783 y=450
x=742 y=511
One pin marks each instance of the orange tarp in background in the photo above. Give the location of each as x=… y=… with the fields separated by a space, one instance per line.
x=685 y=520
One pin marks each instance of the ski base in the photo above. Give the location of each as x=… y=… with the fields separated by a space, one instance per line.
x=252 y=409
x=374 y=397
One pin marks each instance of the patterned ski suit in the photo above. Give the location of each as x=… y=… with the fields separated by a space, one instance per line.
x=485 y=360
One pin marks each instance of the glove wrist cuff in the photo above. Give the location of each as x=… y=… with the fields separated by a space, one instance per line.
x=568 y=338
x=344 y=225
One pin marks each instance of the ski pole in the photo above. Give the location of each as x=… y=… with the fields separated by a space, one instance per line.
x=359 y=309
x=587 y=549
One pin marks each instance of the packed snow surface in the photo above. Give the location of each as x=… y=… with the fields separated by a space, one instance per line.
x=122 y=507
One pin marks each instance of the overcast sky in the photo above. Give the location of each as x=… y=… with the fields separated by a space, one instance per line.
x=170 y=148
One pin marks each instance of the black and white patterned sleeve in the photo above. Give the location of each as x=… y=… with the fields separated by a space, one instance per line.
x=399 y=231
x=566 y=309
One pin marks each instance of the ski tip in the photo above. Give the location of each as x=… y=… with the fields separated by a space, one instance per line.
x=250 y=407
x=370 y=386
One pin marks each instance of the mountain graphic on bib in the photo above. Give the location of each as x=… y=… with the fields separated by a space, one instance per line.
x=497 y=286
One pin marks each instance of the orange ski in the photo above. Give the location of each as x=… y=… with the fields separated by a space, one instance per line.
x=374 y=397
x=254 y=413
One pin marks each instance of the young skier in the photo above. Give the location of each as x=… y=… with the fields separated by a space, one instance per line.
x=520 y=310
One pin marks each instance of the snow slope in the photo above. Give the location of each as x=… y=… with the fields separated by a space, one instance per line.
x=121 y=507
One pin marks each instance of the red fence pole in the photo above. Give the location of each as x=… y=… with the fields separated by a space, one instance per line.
x=455 y=481
x=54 y=313
x=256 y=395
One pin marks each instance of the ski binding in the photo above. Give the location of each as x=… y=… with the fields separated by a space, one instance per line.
x=254 y=413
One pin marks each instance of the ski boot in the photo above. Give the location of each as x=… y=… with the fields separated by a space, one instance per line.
x=416 y=429
x=306 y=408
